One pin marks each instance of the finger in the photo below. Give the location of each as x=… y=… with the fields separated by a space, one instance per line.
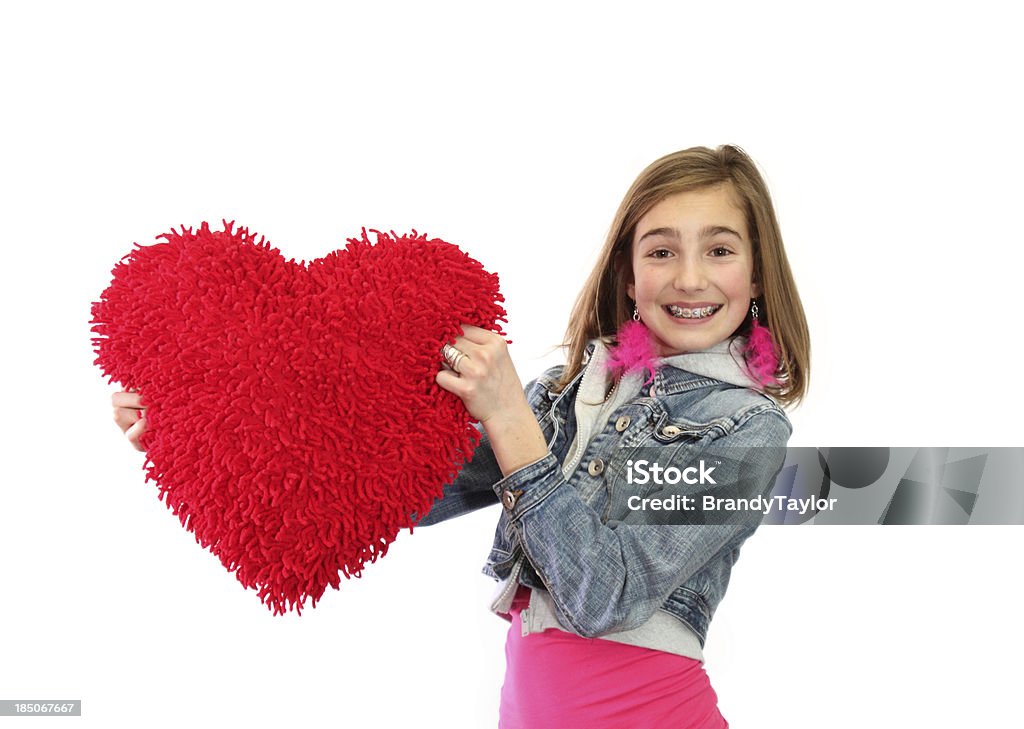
x=476 y=340
x=467 y=348
x=477 y=335
x=453 y=383
x=126 y=400
x=127 y=417
x=135 y=432
x=463 y=343
x=474 y=364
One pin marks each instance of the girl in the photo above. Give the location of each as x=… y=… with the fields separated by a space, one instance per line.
x=669 y=361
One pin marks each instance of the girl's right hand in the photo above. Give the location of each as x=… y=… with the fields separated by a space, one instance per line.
x=130 y=415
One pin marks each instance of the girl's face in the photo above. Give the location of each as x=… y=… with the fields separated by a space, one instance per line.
x=693 y=265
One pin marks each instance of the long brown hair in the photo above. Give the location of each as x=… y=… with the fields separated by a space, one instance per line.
x=603 y=305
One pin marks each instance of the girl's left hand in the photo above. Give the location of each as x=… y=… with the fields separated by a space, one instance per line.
x=487 y=381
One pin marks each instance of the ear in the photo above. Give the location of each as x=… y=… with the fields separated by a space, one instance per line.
x=624 y=270
x=755 y=290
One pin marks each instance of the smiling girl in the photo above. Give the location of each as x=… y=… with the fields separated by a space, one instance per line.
x=687 y=339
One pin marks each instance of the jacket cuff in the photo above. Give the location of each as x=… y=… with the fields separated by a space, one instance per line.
x=528 y=486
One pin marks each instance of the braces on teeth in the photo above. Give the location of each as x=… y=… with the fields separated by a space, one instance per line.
x=700 y=313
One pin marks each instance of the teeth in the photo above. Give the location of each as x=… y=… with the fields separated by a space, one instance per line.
x=701 y=313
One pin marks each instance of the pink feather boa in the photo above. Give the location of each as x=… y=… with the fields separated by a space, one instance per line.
x=635 y=351
x=761 y=355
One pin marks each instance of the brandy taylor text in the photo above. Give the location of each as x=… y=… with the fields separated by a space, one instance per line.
x=707 y=502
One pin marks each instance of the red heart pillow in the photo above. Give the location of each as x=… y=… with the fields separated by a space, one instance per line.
x=293 y=421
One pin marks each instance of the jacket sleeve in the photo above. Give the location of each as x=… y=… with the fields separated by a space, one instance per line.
x=611 y=577
x=473 y=487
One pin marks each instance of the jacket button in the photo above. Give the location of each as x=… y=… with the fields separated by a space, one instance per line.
x=622 y=423
x=509 y=498
x=670 y=431
x=596 y=467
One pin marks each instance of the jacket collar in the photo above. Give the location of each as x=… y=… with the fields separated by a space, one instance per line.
x=723 y=362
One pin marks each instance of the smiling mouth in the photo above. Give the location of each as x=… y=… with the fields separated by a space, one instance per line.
x=703 y=312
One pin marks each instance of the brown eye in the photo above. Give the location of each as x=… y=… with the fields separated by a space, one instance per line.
x=721 y=251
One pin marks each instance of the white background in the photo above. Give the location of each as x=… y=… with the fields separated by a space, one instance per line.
x=890 y=139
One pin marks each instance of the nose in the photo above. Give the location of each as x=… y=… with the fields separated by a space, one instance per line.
x=689 y=275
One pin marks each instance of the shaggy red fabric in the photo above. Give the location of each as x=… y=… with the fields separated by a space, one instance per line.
x=293 y=421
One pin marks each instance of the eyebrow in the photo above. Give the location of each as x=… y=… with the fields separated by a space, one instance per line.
x=706 y=232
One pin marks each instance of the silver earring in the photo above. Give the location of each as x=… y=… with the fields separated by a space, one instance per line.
x=636 y=314
x=753 y=309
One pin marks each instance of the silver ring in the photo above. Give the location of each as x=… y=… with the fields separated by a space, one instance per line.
x=452 y=356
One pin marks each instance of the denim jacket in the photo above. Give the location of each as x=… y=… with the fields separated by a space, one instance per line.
x=601 y=568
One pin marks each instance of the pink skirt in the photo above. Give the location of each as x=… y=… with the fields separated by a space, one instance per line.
x=558 y=679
